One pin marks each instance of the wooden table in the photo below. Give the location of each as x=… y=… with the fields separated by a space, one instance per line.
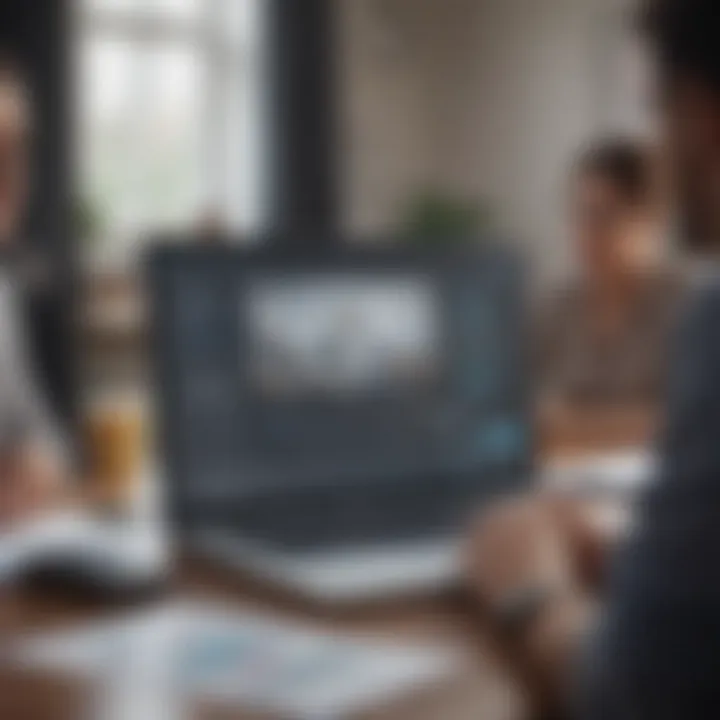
x=483 y=689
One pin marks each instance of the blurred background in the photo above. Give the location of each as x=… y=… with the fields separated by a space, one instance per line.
x=521 y=125
x=368 y=117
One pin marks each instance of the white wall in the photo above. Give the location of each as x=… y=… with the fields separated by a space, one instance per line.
x=489 y=98
x=384 y=83
x=536 y=88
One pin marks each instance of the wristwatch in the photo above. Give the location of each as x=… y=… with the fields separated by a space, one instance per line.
x=515 y=613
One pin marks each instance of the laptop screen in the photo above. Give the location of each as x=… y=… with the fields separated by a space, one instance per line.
x=279 y=372
x=342 y=338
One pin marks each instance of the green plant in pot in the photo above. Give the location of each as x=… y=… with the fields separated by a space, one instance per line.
x=436 y=219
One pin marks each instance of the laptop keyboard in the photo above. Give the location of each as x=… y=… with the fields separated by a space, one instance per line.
x=318 y=519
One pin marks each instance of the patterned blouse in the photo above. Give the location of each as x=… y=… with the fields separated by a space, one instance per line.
x=578 y=364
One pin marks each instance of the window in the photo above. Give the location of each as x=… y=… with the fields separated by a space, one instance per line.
x=170 y=118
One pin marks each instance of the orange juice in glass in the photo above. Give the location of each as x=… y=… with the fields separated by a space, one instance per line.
x=115 y=445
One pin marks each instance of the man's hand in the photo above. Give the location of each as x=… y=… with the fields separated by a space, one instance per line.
x=516 y=546
x=531 y=545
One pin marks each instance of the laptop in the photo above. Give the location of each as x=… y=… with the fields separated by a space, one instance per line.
x=330 y=421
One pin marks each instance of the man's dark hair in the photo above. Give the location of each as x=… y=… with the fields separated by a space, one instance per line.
x=625 y=164
x=686 y=37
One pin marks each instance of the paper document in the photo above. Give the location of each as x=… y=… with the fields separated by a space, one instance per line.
x=166 y=659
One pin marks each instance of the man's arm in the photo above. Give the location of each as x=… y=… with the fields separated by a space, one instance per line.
x=537 y=565
x=656 y=637
x=654 y=654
